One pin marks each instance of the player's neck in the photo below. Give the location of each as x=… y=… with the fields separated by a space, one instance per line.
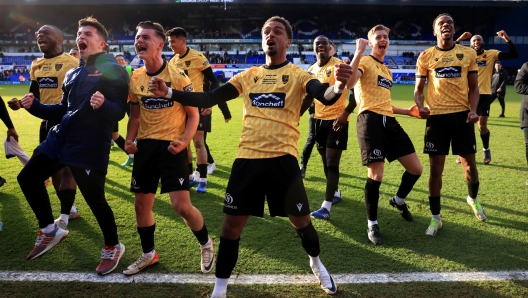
x=153 y=64
x=275 y=60
x=323 y=61
x=378 y=56
x=182 y=52
x=445 y=44
x=52 y=52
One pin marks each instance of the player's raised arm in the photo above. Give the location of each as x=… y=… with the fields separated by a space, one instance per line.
x=361 y=46
x=512 y=53
x=195 y=99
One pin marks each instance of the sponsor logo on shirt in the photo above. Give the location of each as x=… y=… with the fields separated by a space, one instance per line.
x=481 y=63
x=450 y=72
x=150 y=103
x=96 y=73
x=268 y=100
x=48 y=82
x=384 y=82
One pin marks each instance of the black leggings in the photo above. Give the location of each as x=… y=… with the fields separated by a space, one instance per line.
x=310 y=142
x=91 y=184
x=526 y=142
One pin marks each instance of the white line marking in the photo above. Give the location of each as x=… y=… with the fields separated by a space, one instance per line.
x=343 y=278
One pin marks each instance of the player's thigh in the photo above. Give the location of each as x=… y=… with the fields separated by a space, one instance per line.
x=245 y=189
x=288 y=196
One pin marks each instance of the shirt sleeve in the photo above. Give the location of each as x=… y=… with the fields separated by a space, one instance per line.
x=421 y=67
x=133 y=97
x=235 y=81
x=473 y=67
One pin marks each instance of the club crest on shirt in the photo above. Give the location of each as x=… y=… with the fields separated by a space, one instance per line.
x=168 y=84
x=58 y=67
x=328 y=72
x=256 y=79
x=187 y=63
x=285 y=78
x=460 y=56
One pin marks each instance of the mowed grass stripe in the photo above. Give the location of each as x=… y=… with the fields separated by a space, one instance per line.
x=246 y=279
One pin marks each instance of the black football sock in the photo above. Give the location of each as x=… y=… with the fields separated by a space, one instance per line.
x=407 y=183
x=202 y=235
x=309 y=240
x=227 y=257
x=146 y=234
x=372 y=198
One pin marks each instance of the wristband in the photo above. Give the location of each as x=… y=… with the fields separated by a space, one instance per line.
x=169 y=94
x=337 y=90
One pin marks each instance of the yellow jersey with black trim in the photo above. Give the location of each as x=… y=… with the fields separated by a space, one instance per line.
x=447 y=72
x=272 y=104
x=373 y=89
x=325 y=75
x=49 y=74
x=486 y=63
x=192 y=63
x=159 y=118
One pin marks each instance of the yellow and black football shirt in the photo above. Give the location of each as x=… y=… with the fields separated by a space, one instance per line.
x=446 y=72
x=373 y=89
x=192 y=63
x=325 y=75
x=160 y=119
x=49 y=74
x=486 y=61
x=272 y=104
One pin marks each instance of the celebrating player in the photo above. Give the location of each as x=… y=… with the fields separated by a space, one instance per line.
x=379 y=135
x=273 y=96
x=452 y=97
x=159 y=126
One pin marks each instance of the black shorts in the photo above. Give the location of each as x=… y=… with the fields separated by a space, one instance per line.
x=277 y=180
x=445 y=129
x=116 y=126
x=153 y=161
x=205 y=123
x=483 y=108
x=381 y=137
x=327 y=137
x=45 y=127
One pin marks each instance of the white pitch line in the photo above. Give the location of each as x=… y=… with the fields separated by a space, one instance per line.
x=343 y=278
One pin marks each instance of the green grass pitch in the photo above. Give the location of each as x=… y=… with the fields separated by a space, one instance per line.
x=269 y=245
